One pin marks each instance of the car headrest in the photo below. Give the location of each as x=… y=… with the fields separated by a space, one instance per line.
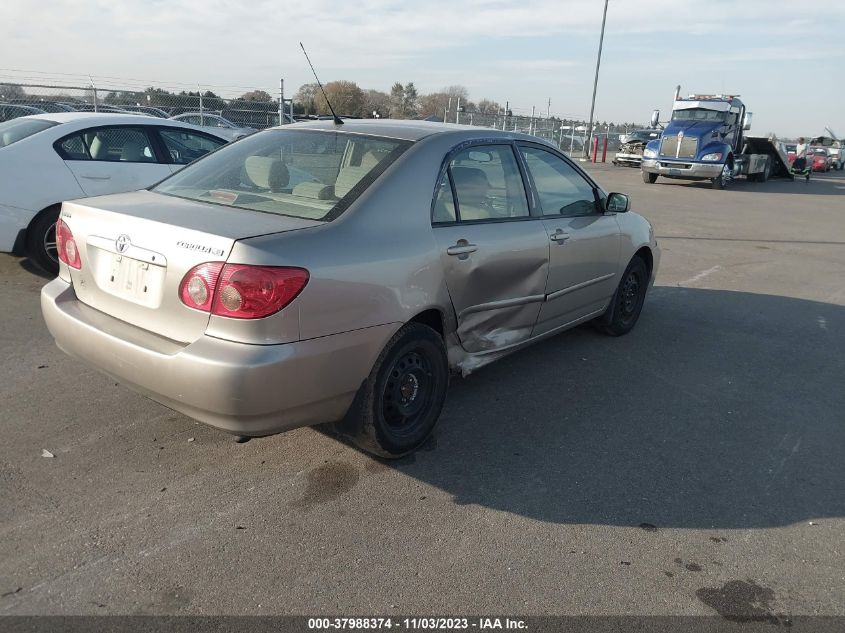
x=267 y=173
x=470 y=176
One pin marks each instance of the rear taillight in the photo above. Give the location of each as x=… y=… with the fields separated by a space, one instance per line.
x=240 y=291
x=66 y=246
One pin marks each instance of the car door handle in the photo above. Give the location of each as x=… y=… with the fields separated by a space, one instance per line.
x=95 y=177
x=461 y=248
x=560 y=237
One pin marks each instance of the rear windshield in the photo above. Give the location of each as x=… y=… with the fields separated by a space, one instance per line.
x=309 y=174
x=18 y=129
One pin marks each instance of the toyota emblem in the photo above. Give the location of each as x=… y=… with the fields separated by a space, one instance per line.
x=122 y=243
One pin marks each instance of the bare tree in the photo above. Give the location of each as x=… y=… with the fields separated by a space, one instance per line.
x=345 y=96
x=256 y=95
x=486 y=106
x=376 y=101
x=307 y=97
x=433 y=104
x=457 y=91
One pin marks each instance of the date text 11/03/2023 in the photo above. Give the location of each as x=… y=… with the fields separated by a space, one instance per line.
x=415 y=624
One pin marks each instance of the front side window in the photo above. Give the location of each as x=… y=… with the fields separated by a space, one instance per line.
x=309 y=174
x=561 y=189
x=184 y=147
x=19 y=129
x=111 y=144
x=488 y=185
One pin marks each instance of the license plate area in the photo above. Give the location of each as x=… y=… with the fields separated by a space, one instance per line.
x=131 y=279
x=674 y=172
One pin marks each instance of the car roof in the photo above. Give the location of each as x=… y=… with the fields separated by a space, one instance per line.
x=408 y=130
x=80 y=120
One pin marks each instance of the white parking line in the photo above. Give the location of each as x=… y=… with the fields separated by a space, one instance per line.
x=700 y=276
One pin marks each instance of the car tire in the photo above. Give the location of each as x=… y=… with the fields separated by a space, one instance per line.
x=723 y=179
x=387 y=419
x=624 y=310
x=41 y=240
x=649 y=178
x=766 y=173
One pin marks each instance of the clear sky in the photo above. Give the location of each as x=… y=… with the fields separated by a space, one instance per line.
x=786 y=58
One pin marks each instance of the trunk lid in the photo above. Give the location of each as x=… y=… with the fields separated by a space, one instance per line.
x=135 y=249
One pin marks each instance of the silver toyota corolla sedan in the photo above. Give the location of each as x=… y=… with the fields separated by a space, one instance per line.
x=339 y=273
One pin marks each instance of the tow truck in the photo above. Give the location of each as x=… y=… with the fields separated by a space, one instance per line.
x=705 y=140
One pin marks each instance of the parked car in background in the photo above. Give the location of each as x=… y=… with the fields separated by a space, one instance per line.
x=156 y=112
x=9 y=111
x=220 y=125
x=100 y=108
x=834 y=150
x=44 y=106
x=416 y=249
x=820 y=158
x=632 y=145
x=50 y=158
x=791 y=151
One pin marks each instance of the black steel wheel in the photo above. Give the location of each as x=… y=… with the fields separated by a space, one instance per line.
x=398 y=406
x=627 y=302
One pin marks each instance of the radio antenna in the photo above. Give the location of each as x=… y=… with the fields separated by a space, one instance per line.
x=337 y=119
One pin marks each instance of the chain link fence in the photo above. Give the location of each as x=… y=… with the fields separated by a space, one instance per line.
x=257 y=109
x=254 y=109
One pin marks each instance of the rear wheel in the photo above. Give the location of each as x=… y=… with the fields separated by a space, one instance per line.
x=649 y=178
x=627 y=303
x=41 y=240
x=766 y=173
x=397 y=407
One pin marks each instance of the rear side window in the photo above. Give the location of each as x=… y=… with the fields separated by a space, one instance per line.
x=487 y=184
x=185 y=146
x=19 y=129
x=111 y=144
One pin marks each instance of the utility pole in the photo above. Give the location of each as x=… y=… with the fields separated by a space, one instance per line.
x=281 y=101
x=458 y=111
x=531 y=122
x=549 y=109
x=505 y=118
x=446 y=112
x=202 y=118
x=595 y=84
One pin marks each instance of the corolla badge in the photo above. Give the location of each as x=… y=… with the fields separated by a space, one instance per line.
x=122 y=243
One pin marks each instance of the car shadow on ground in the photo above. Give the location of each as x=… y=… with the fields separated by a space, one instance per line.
x=721 y=410
x=29 y=266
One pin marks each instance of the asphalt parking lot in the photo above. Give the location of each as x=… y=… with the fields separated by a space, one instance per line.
x=693 y=467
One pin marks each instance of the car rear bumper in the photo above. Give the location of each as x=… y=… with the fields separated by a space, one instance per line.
x=628 y=159
x=681 y=169
x=241 y=388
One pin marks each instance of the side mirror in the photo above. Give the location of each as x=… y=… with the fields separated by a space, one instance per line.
x=655 y=118
x=617 y=203
x=746 y=120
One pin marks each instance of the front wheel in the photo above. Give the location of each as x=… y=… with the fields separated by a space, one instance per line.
x=627 y=303
x=398 y=405
x=649 y=178
x=723 y=179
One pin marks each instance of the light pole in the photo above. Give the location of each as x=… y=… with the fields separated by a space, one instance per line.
x=595 y=84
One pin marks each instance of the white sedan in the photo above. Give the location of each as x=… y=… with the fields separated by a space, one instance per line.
x=49 y=158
